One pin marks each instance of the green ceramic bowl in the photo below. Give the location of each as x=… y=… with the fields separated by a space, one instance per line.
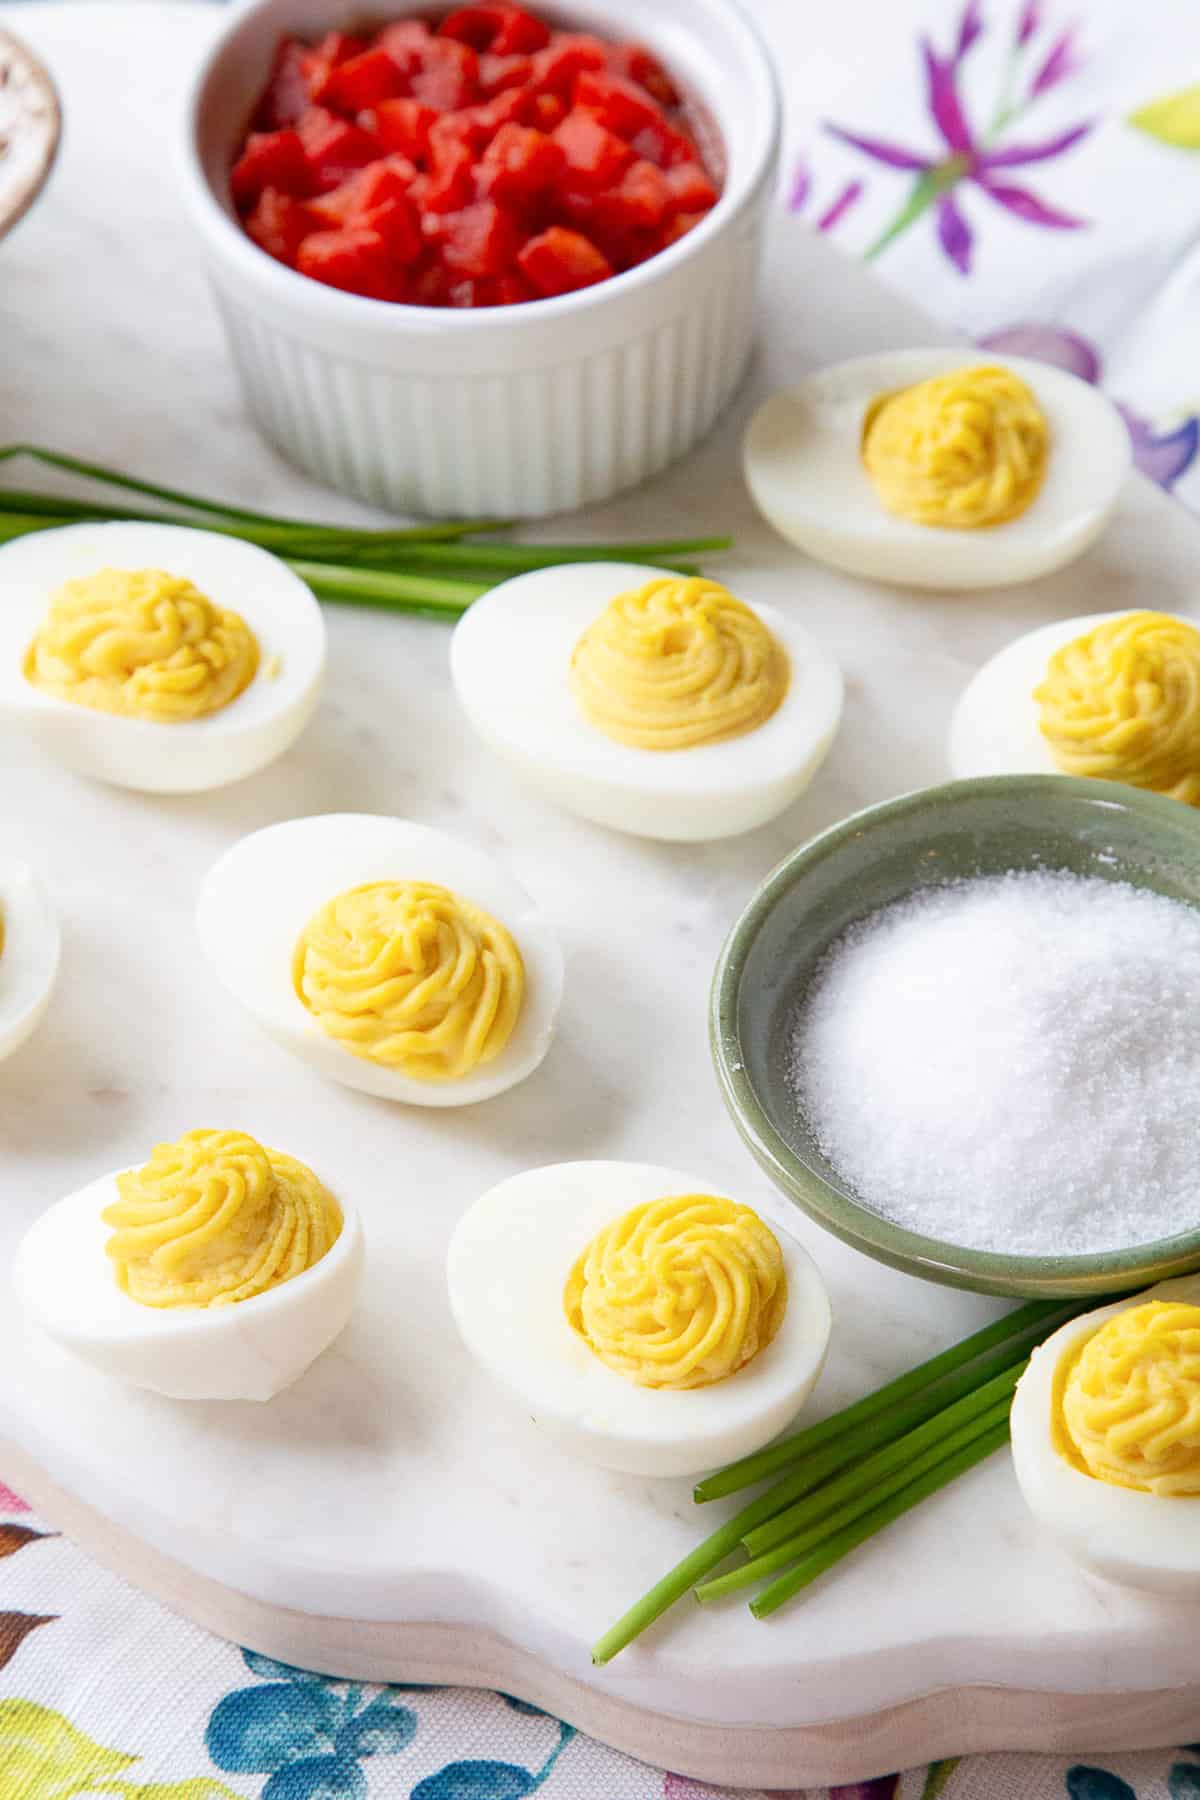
x=939 y=834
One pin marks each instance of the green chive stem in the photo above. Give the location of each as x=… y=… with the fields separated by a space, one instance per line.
x=763 y=1463
x=841 y=1543
x=387 y=589
x=858 y=1497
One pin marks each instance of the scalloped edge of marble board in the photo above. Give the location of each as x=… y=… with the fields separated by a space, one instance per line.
x=948 y=1722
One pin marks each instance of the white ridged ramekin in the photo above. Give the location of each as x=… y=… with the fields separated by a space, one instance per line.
x=520 y=410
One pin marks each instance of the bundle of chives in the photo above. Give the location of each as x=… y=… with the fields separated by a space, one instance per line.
x=853 y=1473
x=421 y=568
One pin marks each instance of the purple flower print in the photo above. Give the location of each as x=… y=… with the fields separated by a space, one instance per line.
x=969 y=155
x=1162 y=456
x=10 y=1502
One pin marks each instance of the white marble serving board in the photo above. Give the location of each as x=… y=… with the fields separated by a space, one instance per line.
x=391 y=1486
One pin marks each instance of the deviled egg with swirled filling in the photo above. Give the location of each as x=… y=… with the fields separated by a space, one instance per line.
x=643 y=1321
x=656 y=704
x=931 y=469
x=219 y=1270
x=1113 y=696
x=30 y=946
x=391 y=957
x=1106 y=1438
x=156 y=657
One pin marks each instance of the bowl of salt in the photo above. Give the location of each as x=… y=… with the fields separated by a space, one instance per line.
x=961 y=1030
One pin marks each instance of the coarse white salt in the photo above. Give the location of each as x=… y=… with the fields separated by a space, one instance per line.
x=1012 y=1063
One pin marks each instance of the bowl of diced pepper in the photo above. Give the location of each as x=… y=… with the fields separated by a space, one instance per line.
x=484 y=260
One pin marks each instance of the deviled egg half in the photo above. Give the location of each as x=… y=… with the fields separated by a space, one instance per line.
x=30 y=945
x=156 y=657
x=646 y=1323
x=656 y=704
x=217 y=1271
x=939 y=468
x=1106 y=1438
x=391 y=957
x=1114 y=696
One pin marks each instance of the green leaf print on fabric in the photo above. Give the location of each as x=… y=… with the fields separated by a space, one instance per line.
x=44 y=1757
x=1173 y=119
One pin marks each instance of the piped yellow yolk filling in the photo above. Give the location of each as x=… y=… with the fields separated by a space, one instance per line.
x=1126 y=1404
x=216 y=1218
x=679 y=1292
x=963 y=450
x=677 y=663
x=142 y=644
x=1122 y=703
x=412 y=976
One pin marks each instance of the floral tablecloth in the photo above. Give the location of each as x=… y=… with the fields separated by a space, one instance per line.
x=1030 y=170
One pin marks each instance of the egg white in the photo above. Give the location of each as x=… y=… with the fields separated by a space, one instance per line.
x=258 y=898
x=30 y=955
x=994 y=727
x=510 y=659
x=250 y=1350
x=508 y=1263
x=803 y=465
x=152 y=757
x=1141 y=1540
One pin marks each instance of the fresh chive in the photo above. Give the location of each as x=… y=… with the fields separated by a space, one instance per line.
x=849 y=1498
x=387 y=589
x=74 y=465
x=840 y=1544
x=894 y=1455
x=857 y=1432
x=764 y=1463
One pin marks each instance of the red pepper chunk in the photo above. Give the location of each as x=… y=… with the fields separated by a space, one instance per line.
x=480 y=240
x=355 y=259
x=333 y=148
x=447 y=75
x=271 y=159
x=636 y=64
x=279 y=223
x=519 y=163
x=388 y=179
x=287 y=93
x=499 y=72
x=502 y=30
x=402 y=126
x=558 y=261
x=690 y=188
x=595 y=156
x=621 y=105
x=567 y=55
x=362 y=81
x=449 y=184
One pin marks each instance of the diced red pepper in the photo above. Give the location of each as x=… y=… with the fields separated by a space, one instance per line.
x=558 y=261
x=279 y=223
x=287 y=93
x=399 y=225
x=322 y=59
x=638 y=202
x=390 y=178
x=660 y=143
x=691 y=189
x=447 y=76
x=547 y=111
x=362 y=81
x=504 y=30
x=402 y=126
x=676 y=228
x=635 y=63
x=355 y=258
x=405 y=43
x=499 y=72
x=621 y=105
x=519 y=163
x=595 y=157
x=476 y=126
x=480 y=240
x=450 y=182
x=271 y=159
x=567 y=55
x=333 y=148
